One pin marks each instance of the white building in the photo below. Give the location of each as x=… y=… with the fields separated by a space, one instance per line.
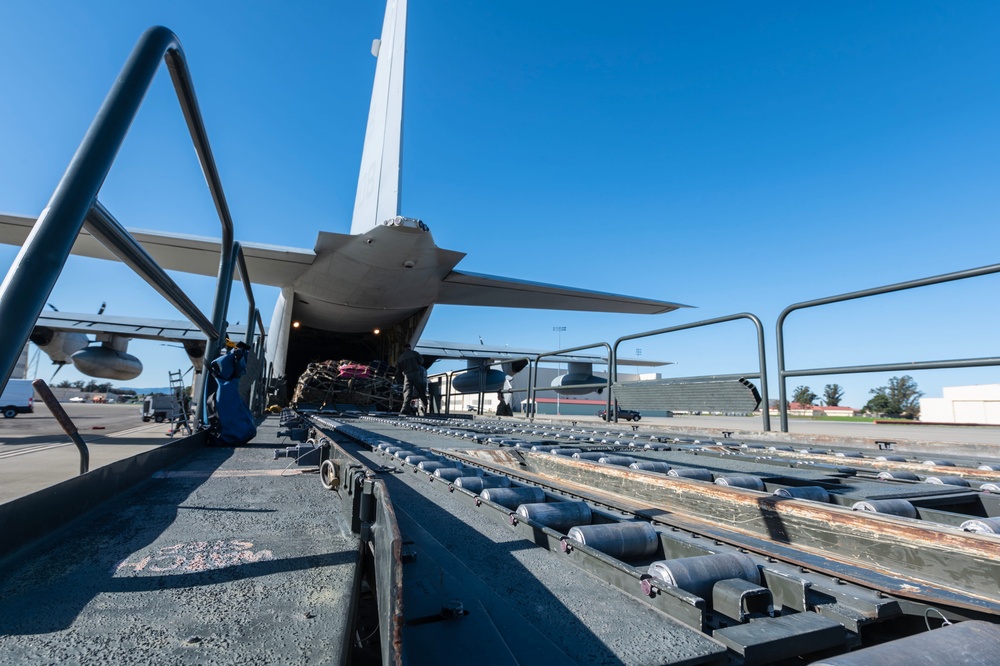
x=978 y=404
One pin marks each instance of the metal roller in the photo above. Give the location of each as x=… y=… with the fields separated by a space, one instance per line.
x=982 y=525
x=971 y=643
x=747 y=481
x=431 y=466
x=589 y=455
x=782 y=447
x=512 y=498
x=560 y=451
x=402 y=453
x=621 y=461
x=660 y=467
x=892 y=507
x=544 y=448
x=891 y=458
x=989 y=468
x=849 y=454
x=897 y=475
x=814 y=493
x=450 y=473
x=415 y=459
x=623 y=541
x=699 y=574
x=453 y=473
x=476 y=484
x=947 y=481
x=391 y=450
x=691 y=473
x=940 y=463
x=990 y=488
x=559 y=516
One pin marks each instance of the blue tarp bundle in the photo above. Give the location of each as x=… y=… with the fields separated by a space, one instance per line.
x=231 y=420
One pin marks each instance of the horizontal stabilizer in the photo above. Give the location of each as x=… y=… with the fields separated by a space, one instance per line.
x=486 y=290
x=268 y=264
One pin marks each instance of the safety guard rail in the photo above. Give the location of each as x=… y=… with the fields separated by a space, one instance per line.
x=74 y=204
x=761 y=357
x=533 y=388
x=449 y=377
x=783 y=373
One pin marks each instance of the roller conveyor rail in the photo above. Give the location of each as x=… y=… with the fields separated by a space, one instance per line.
x=828 y=576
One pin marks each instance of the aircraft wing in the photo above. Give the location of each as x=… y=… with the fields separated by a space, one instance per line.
x=268 y=264
x=130 y=327
x=433 y=349
x=460 y=288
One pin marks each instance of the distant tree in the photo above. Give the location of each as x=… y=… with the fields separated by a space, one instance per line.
x=833 y=394
x=899 y=398
x=104 y=388
x=880 y=405
x=773 y=403
x=804 y=395
x=78 y=384
x=92 y=387
x=64 y=384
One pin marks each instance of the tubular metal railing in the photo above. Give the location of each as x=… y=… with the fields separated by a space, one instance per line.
x=761 y=357
x=532 y=377
x=74 y=203
x=885 y=367
x=449 y=377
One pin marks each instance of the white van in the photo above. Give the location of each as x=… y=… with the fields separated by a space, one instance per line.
x=18 y=398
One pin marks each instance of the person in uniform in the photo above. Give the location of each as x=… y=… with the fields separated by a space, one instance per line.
x=411 y=365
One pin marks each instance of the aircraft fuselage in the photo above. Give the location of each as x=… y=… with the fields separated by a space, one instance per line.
x=371 y=280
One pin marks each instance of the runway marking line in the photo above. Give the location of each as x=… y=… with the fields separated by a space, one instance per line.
x=32 y=449
x=21 y=451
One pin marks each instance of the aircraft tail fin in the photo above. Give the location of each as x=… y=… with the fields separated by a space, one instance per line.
x=378 y=193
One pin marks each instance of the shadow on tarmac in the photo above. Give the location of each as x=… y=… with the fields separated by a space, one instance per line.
x=50 y=582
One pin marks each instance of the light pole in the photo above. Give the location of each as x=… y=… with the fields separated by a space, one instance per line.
x=559 y=331
x=638 y=353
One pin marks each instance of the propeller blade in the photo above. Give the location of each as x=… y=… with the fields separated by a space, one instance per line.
x=58 y=368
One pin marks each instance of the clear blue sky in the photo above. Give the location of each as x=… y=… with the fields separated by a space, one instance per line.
x=731 y=156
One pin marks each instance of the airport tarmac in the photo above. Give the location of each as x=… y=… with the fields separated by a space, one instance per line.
x=35 y=452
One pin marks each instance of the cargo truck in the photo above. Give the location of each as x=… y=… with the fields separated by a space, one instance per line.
x=160 y=407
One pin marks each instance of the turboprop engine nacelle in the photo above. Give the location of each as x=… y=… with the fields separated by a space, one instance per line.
x=579 y=373
x=58 y=345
